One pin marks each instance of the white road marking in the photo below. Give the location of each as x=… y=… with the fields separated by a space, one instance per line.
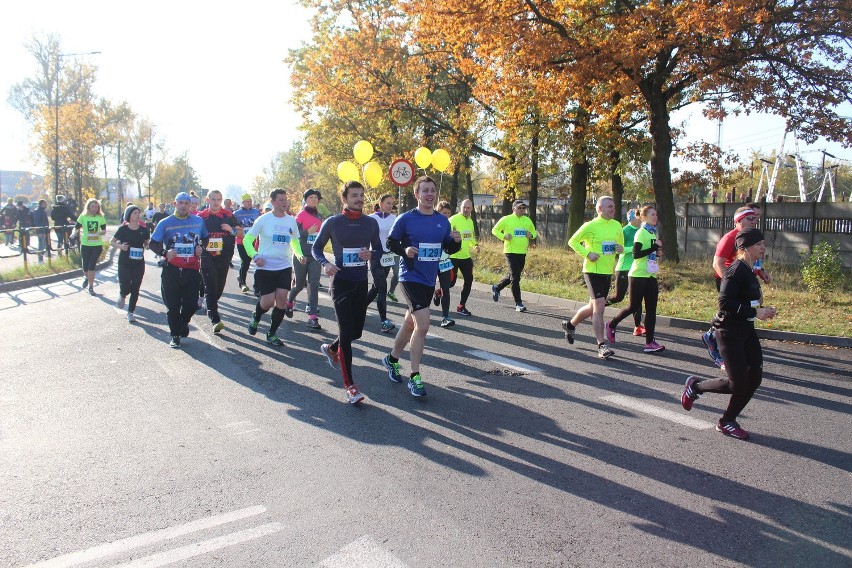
x=511 y=363
x=363 y=553
x=209 y=338
x=203 y=547
x=678 y=417
x=138 y=541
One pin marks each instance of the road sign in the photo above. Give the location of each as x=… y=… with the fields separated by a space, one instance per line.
x=401 y=172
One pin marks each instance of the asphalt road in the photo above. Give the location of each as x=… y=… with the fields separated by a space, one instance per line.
x=118 y=451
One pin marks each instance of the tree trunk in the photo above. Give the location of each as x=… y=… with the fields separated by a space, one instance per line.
x=661 y=175
x=617 y=182
x=469 y=181
x=579 y=181
x=533 y=179
x=454 y=191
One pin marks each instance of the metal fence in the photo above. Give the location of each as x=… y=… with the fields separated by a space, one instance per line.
x=21 y=247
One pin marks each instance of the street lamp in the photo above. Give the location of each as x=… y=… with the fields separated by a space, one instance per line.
x=56 y=117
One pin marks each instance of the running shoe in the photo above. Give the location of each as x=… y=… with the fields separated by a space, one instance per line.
x=709 y=339
x=245 y=289
x=393 y=370
x=732 y=429
x=92 y=292
x=610 y=333
x=495 y=293
x=569 y=332
x=520 y=308
x=605 y=352
x=392 y=297
x=288 y=309
x=175 y=342
x=130 y=317
x=120 y=302
x=448 y=322
x=314 y=323
x=354 y=394
x=653 y=347
x=463 y=311
x=639 y=330
x=437 y=298
x=387 y=326
x=272 y=339
x=252 y=327
x=218 y=326
x=415 y=385
x=689 y=394
x=330 y=356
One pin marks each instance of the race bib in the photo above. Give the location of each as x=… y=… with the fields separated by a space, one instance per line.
x=185 y=250
x=429 y=252
x=652 y=266
x=351 y=258
x=608 y=247
x=522 y=233
x=214 y=244
x=758 y=265
x=135 y=253
x=280 y=239
x=93 y=238
x=312 y=238
x=445 y=265
x=388 y=259
x=467 y=236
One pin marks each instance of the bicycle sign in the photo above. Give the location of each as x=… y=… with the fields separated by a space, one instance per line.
x=401 y=172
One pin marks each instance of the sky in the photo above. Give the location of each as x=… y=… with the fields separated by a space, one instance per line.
x=213 y=81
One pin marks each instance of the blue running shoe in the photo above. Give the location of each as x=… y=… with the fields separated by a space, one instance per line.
x=415 y=385
x=393 y=370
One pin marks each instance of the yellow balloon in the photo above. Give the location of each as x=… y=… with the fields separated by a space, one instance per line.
x=373 y=174
x=363 y=151
x=440 y=159
x=423 y=157
x=347 y=171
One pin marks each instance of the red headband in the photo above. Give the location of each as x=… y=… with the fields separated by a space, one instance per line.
x=739 y=216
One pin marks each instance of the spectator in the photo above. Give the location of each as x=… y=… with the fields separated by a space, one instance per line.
x=42 y=225
x=62 y=222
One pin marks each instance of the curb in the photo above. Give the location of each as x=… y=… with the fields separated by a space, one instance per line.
x=51 y=278
x=679 y=323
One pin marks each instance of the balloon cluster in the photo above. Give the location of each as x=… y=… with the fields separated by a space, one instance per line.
x=439 y=159
x=372 y=171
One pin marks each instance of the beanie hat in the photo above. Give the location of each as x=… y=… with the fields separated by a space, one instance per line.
x=246 y=197
x=748 y=238
x=128 y=212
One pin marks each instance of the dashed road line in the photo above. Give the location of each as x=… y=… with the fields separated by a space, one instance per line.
x=504 y=361
x=362 y=553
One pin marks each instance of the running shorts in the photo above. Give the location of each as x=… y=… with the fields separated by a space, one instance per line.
x=417 y=296
x=268 y=281
x=597 y=284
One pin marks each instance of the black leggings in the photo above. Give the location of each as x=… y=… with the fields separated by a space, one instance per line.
x=620 y=287
x=516 y=264
x=350 y=306
x=743 y=356
x=641 y=289
x=246 y=263
x=446 y=280
x=214 y=274
x=179 y=287
x=378 y=293
x=90 y=257
x=466 y=267
x=130 y=276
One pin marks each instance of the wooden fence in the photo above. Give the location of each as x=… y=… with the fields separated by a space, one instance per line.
x=790 y=228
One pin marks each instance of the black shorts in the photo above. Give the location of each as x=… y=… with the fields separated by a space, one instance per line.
x=417 y=296
x=597 y=284
x=89 y=256
x=268 y=281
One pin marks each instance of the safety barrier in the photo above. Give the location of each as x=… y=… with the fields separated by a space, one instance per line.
x=39 y=242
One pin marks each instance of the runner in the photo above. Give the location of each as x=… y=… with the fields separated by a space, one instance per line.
x=515 y=231
x=130 y=239
x=597 y=241
x=643 y=280
x=744 y=218
x=246 y=215
x=179 y=237
x=92 y=225
x=390 y=261
x=278 y=232
x=222 y=228
x=625 y=261
x=355 y=240
x=446 y=276
x=462 y=260
x=740 y=300
x=418 y=237
x=305 y=266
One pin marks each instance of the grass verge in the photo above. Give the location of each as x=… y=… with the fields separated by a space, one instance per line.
x=687 y=288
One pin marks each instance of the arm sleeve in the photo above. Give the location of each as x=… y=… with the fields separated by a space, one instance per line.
x=318 y=248
x=576 y=242
x=730 y=292
x=296 y=245
x=497 y=230
x=639 y=253
x=533 y=232
x=395 y=246
x=156 y=247
x=248 y=244
x=450 y=244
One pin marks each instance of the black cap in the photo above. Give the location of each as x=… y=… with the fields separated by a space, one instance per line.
x=311 y=192
x=748 y=238
x=519 y=202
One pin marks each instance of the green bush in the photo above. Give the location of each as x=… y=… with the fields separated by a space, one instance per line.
x=822 y=271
